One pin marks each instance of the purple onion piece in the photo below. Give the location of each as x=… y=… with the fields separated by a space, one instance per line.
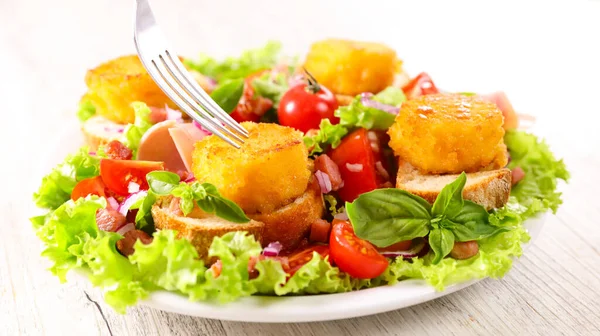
x=368 y=102
x=272 y=250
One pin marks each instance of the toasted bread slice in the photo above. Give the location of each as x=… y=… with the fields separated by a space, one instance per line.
x=291 y=223
x=98 y=131
x=487 y=188
x=198 y=227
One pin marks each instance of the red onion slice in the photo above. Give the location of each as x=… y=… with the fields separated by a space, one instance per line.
x=173 y=114
x=410 y=253
x=324 y=181
x=130 y=200
x=342 y=215
x=200 y=127
x=272 y=250
x=354 y=167
x=368 y=102
x=384 y=173
x=126 y=228
x=112 y=202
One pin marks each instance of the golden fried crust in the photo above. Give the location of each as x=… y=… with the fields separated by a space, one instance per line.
x=352 y=67
x=200 y=231
x=448 y=133
x=291 y=223
x=269 y=171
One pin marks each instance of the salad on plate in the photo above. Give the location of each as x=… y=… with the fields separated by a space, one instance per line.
x=355 y=174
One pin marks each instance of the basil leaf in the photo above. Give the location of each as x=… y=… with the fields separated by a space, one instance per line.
x=450 y=201
x=220 y=206
x=471 y=212
x=186 y=195
x=143 y=218
x=162 y=182
x=475 y=231
x=387 y=216
x=441 y=242
x=228 y=94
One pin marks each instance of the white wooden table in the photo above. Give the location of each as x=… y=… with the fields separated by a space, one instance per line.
x=545 y=56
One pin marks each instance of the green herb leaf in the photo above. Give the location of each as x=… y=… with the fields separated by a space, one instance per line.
x=450 y=200
x=162 y=183
x=391 y=96
x=86 y=110
x=247 y=63
x=475 y=231
x=328 y=135
x=271 y=88
x=143 y=218
x=441 y=242
x=222 y=207
x=358 y=115
x=228 y=94
x=387 y=216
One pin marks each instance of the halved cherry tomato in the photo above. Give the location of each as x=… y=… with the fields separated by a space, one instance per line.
x=117 y=174
x=250 y=108
x=355 y=256
x=356 y=152
x=419 y=86
x=299 y=259
x=304 y=105
x=89 y=186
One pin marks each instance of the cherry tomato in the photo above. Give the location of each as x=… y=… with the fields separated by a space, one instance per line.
x=353 y=255
x=250 y=108
x=356 y=160
x=89 y=186
x=420 y=86
x=117 y=174
x=299 y=259
x=304 y=105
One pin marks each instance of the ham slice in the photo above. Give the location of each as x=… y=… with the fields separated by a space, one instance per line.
x=184 y=136
x=499 y=98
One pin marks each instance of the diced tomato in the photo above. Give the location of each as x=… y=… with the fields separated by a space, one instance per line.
x=517 y=175
x=356 y=159
x=420 y=86
x=117 y=174
x=399 y=246
x=299 y=259
x=216 y=268
x=325 y=164
x=118 y=151
x=250 y=108
x=89 y=186
x=355 y=256
x=319 y=231
x=109 y=220
x=157 y=114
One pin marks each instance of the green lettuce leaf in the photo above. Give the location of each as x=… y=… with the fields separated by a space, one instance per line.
x=57 y=186
x=247 y=63
x=271 y=88
x=133 y=132
x=391 y=96
x=86 y=110
x=358 y=115
x=542 y=170
x=328 y=134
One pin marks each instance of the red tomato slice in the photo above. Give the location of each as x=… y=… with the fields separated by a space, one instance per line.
x=355 y=256
x=299 y=259
x=117 y=174
x=89 y=186
x=399 y=246
x=251 y=108
x=420 y=86
x=354 y=151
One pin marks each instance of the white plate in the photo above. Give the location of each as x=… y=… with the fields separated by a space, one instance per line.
x=290 y=308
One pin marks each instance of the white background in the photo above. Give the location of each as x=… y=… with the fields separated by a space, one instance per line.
x=544 y=54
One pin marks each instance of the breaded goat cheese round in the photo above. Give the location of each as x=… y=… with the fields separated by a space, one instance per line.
x=269 y=171
x=449 y=133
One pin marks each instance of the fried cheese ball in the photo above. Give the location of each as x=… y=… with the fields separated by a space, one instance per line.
x=269 y=171
x=352 y=67
x=114 y=85
x=448 y=133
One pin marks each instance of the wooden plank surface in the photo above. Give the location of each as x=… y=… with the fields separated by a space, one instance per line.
x=553 y=289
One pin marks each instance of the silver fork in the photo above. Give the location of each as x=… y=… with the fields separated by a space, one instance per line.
x=176 y=82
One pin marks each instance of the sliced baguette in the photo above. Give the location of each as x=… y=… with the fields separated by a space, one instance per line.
x=98 y=131
x=291 y=223
x=487 y=188
x=200 y=228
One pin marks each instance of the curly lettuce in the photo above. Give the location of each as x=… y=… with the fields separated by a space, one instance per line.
x=132 y=136
x=56 y=187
